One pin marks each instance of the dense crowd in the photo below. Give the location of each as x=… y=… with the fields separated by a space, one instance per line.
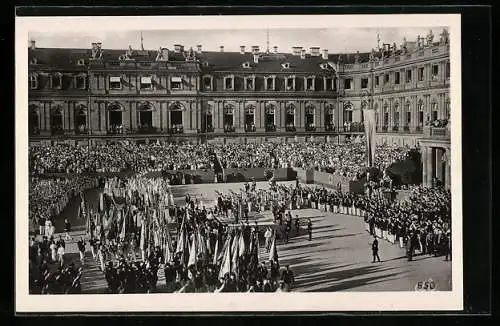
x=120 y=157
x=48 y=197
x=48 y=271
x=347 y=159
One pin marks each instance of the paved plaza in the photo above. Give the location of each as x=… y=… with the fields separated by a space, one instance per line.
x=337 y=259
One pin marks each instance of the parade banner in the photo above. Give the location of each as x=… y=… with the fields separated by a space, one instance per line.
x=370 y=124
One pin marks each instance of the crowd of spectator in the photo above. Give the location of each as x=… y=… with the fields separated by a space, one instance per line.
x=346 y=159
x=48 y=197
x=118 y=157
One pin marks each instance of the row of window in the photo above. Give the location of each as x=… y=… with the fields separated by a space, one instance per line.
x=348 y=82
x=58 y=81
x=249 y=82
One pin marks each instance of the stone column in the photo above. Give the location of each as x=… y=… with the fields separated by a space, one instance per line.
x=439 y=163
x=161 y=116
x=102 y=116
x=126 y=117
x=217 y=116
x=319 y=117
x=198 y=111
x=72 y=109
x=260 y=117
x=424 y=165
x=133 y=115
x=299 y=116
x=237 y=118
x=280 y=116
x=430 y=162
x=166 y=116
x=339 y=117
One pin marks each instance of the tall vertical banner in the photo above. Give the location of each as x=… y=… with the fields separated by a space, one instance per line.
x=370 y=123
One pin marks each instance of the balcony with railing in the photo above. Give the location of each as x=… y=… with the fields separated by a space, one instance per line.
x=82 y=130
x=146 y=130
x=57 y=130
x=310 y=127
x=229 y=128
x=437 y=129
x=115 y=130
x=270 y=128
x=208 y=129
x=329 y=128
x=250 y=128
x=176 y=130
x=34 y=131
x=290 y=128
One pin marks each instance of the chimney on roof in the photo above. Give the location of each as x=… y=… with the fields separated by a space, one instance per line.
x=32 y=45
x=256 y=58
x=275 y=48
x=314 y=51
x=221 y=48
x=242 y=49
x=325 y=54
x=255 y=49
x=303 y=54
x=178 y=48
x=296 y=50
x=198 y=48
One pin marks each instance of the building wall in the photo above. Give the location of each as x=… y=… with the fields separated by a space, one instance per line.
x=196 y=102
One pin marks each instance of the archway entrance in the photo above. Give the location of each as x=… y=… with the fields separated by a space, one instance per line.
x=228 y=119
x=176 y=119
x=270 y=118
x=115 y=115
x=81 y=121
x=329 y=119
x=57 y=122
x=250 y=118
x=309 y=118
x=290 y=118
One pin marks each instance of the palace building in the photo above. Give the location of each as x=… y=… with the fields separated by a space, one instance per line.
x=97 y=95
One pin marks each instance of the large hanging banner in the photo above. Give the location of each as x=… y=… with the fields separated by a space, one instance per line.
x=370 y=122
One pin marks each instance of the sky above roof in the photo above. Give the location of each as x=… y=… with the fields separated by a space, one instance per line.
x=336 y=40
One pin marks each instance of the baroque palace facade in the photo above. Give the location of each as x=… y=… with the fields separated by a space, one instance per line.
x=95 y=95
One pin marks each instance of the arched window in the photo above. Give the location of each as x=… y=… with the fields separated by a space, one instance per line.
x=434 y=111
x=420 y=109
x=115 y=118
x=408 y=113
x=56 y=80
x=309 y=117
x=290 y=118
x=145 y=123
x=33 y=82
x=396 y=116
x=270 y=117
x=209 y=127
x=385 y=117
x=81 y=119
x=56 y=122
x=329 y=118
x=176 y=111
x=250 y=118
x=348 y=112
x=228 y=118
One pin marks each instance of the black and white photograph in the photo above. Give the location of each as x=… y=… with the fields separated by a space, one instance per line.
x=225 y=158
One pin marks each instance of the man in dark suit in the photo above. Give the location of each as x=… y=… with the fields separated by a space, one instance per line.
x=375 y=249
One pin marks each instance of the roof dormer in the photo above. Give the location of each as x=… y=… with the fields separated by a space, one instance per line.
x=285 y=65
